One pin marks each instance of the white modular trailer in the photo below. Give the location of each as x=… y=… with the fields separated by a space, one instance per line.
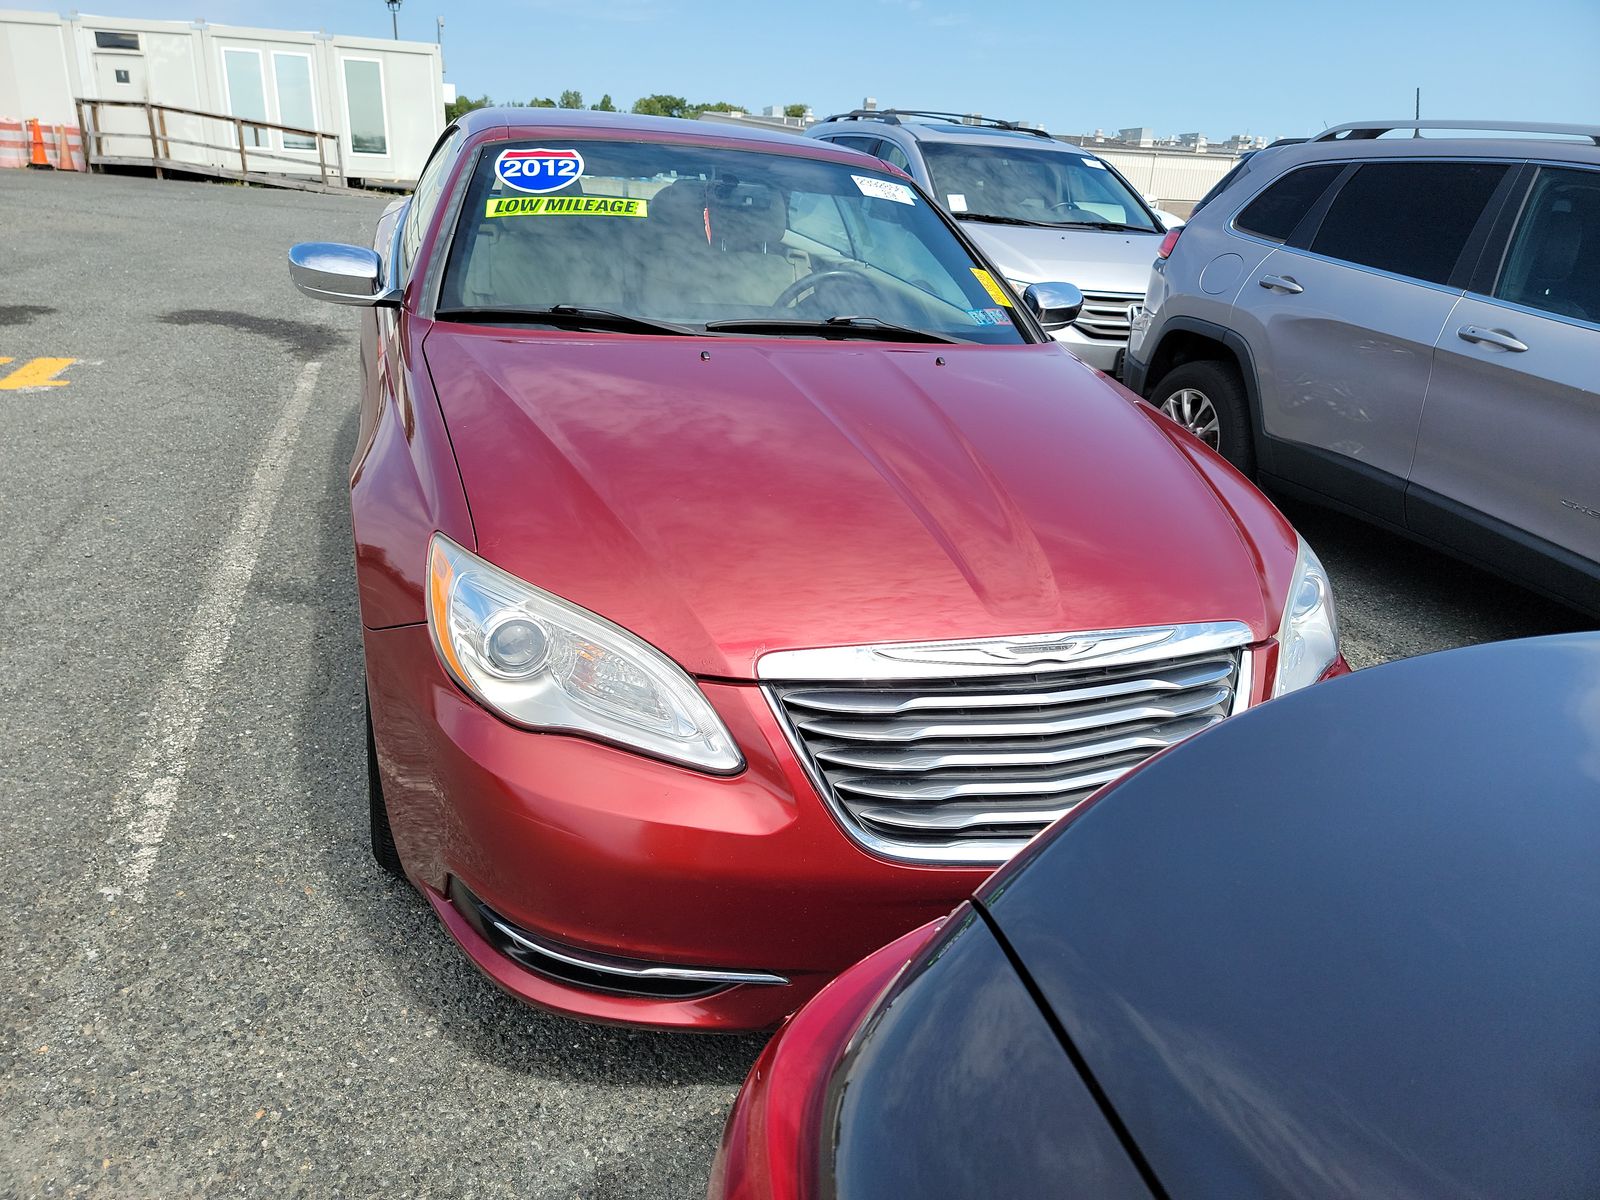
x=384 y=100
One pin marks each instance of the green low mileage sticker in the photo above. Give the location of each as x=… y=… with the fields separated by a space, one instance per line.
x=566 y=206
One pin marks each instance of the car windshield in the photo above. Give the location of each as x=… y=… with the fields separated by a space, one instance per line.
x=642 y=237
x=1031 y=184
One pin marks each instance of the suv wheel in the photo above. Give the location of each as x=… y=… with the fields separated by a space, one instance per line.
x=1207 y=399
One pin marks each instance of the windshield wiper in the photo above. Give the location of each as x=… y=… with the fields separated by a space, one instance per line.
x=1118 y=226
x=844 y=327
x=565 y=316
x=993 y=219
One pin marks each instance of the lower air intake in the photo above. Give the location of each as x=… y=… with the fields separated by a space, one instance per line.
x=594 y=972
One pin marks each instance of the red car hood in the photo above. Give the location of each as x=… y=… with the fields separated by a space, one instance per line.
x=726 y=498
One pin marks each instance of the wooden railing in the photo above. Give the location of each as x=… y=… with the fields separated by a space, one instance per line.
x=252 y=159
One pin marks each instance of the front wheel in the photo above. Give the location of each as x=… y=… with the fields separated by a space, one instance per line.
x=1207 y=398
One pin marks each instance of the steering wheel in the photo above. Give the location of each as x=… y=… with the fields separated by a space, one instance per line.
x=828 y=276
x=1071 y=208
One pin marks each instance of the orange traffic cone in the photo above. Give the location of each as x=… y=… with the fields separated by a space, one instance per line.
x=38 y=159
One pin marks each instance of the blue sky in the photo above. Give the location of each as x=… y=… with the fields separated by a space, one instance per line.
x=1229 y=66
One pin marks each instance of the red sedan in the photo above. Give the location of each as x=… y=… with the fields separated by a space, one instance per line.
x=744 y=572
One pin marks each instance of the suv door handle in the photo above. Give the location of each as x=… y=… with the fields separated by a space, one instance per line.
x=1490 y=337
x=1281 y=283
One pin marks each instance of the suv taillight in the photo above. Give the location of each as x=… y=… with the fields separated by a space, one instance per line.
x=1168 y=242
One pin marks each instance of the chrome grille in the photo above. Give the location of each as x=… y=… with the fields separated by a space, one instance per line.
x=1105 y=315
x=968 y=769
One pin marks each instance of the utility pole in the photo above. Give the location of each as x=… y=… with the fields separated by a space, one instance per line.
x=440 y=39
x=1417 y=110
x=394 y=17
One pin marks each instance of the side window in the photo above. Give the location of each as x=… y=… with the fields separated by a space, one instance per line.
x=430 y=186
x=1276 y=212
x=893 y=155
x=1554 y=260
x=867 y=145
x=816 y=216
x=1410 y=218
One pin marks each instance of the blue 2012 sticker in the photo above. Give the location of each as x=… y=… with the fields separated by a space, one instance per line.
x=538 y=170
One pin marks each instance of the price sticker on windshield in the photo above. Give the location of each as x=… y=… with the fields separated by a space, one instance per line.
x=538 y=171
x=884 y=189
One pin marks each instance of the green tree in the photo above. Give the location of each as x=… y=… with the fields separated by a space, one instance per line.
x=605 y=104
x=795 y=110
x=539 y=102
x=462 y=105
x=717 y=106
x=571 y=98
x=660 y=105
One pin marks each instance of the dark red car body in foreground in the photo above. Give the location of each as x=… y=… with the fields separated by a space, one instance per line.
x=724 y=499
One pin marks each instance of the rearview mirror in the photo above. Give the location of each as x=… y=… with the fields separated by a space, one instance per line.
x=340 y=274
x=1056 y=305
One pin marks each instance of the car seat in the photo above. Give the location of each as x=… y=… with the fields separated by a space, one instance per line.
x=747 y=227
x=537 y=261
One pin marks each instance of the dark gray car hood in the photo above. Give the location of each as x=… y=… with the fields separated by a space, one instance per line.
x=1346 y=944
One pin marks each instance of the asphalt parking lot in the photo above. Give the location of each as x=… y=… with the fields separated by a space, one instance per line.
x=209 y=989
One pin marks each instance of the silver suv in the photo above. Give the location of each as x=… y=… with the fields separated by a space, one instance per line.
x=1404 y=327
x=1040 y=209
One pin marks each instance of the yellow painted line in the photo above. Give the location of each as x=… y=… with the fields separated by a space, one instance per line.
x=38 y=372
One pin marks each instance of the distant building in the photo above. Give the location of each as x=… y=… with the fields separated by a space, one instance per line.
x=1173 y=172
x=1143 y=138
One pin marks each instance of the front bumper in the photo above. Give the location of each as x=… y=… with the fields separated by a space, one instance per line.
x=1135 y=375
x=598 y=855
x=1103 y=354
x=613 y=856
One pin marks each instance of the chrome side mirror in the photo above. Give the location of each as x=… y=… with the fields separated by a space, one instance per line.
x=1056 y=305
x=340 y=274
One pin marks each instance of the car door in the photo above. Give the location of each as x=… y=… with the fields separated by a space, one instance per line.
x=1511 y=427
x=1342 y=320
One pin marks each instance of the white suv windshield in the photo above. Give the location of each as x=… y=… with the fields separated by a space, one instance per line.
x=1031 y=185
x=689 y=237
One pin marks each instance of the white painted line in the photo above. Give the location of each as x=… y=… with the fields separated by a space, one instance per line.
x=150 y=793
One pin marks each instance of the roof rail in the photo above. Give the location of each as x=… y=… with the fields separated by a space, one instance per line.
x=1366 y=130
x=891 y=116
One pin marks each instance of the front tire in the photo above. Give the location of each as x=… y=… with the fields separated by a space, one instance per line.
x=1207 y=398
x=383 y=847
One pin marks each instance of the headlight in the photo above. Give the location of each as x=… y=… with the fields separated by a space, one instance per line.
x=543 y=663
x=1308 y=637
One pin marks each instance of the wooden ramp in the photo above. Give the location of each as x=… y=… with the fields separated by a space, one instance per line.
x=128 y=126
